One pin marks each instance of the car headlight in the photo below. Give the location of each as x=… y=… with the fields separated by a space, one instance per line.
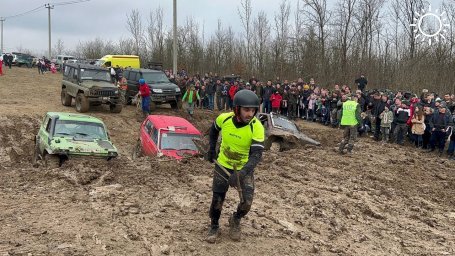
x=157 y=90
x=177 y=89
x=116 y=91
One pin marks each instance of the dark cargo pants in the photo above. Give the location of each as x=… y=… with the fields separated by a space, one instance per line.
x=220 y=186
x=349 y=137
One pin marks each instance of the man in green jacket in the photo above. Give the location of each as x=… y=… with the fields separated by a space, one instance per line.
x=350 y=118
x=191 y=96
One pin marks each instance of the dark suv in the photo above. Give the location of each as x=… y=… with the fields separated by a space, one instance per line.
x=90 y=86
x=161 y=89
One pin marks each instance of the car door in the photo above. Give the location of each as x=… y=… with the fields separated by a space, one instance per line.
x=70 y=88
x=133 y=83
x=148 y=144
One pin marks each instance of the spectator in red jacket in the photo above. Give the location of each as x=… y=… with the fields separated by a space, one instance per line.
x=144 y=92
x=276 y=102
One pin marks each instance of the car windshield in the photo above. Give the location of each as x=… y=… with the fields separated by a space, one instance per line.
x=95 y=74
x=284 y=123
x=155 y=77
x=178 y=141
x=68 y=128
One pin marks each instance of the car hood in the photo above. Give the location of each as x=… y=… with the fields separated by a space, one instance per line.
x=179 y=154
x=97 y=84
x=294 y=136
x=163 y=86
x=86 y=146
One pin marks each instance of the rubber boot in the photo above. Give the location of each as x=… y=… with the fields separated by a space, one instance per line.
x=234 y=228
x=213 y=234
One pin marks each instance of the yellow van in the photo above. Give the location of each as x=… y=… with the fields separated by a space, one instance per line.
x=122 y=61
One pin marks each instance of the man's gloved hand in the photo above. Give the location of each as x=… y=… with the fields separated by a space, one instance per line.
x=211 y=155
x=233 y=178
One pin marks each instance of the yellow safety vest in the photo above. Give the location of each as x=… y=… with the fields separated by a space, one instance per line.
x=349 y=109
x=236 y=142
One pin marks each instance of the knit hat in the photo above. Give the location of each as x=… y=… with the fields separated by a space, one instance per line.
x=443 y=104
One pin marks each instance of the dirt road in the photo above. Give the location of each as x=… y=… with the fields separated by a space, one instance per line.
x=384 y=200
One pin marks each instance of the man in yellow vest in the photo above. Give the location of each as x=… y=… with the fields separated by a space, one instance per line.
x=350 y=118
x=241 y=149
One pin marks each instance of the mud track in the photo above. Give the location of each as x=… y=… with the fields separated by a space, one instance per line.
x=383 y=200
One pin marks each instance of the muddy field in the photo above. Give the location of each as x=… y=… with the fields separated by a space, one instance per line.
x=383 y=200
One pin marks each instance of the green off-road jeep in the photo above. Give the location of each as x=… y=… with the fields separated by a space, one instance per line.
x=90 y=86
x=64 y=135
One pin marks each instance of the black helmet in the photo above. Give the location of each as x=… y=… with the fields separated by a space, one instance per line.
x=246 y=98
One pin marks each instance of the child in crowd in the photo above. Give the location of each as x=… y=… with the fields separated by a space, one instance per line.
x=276 y=98
x=386 y=122
x=191 y=96
x=311 y=108
x=418 y=126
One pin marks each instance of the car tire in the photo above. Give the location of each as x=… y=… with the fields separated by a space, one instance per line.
x=52 y=161
x=115 y=108
x=137 y=150
x=152 y=106
x=36 y=155
x=128 y=100
x=176 y=105
x=276 y=144
x=66 y=99
x=82 y=104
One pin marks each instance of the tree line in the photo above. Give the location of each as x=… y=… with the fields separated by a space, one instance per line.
x=305 y=38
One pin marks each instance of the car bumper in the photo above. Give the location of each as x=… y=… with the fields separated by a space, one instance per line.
x=104 y=100
x=110 y=154
x=164 y=97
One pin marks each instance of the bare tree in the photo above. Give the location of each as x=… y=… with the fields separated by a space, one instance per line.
x=134 y=26
x=245 y=17
x=408 y=11
x=346 y=31
x=319 y=15
x=59 y=47
x=155 y=33
x=261 y=28
x=282 y=33
x=126 y=46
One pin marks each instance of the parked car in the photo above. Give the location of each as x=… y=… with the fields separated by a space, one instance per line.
x=62 y=136
x=282 y=133
x=24 y=60
x=162 y=90
x=90 y=86
x=162 y=135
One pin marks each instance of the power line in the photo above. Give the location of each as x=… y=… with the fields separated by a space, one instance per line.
x=43 y=6
x=69 y=2
x=24 y=13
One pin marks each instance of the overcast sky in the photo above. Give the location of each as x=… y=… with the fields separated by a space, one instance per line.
x=107 y=19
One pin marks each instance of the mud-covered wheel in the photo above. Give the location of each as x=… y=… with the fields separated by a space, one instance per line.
x=82 y=104
x=275 y=146
x=66 y=99
x=51 y=161
x=116 y=108
x=176 y=105
x=35 y=156
x=127 y=99
x=137 y=150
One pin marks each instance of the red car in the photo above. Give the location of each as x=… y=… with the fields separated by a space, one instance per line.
x=170 y=136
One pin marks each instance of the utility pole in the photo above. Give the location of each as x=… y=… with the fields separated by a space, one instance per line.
x=174 y=66
x=49 y=7
x=2 y=20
